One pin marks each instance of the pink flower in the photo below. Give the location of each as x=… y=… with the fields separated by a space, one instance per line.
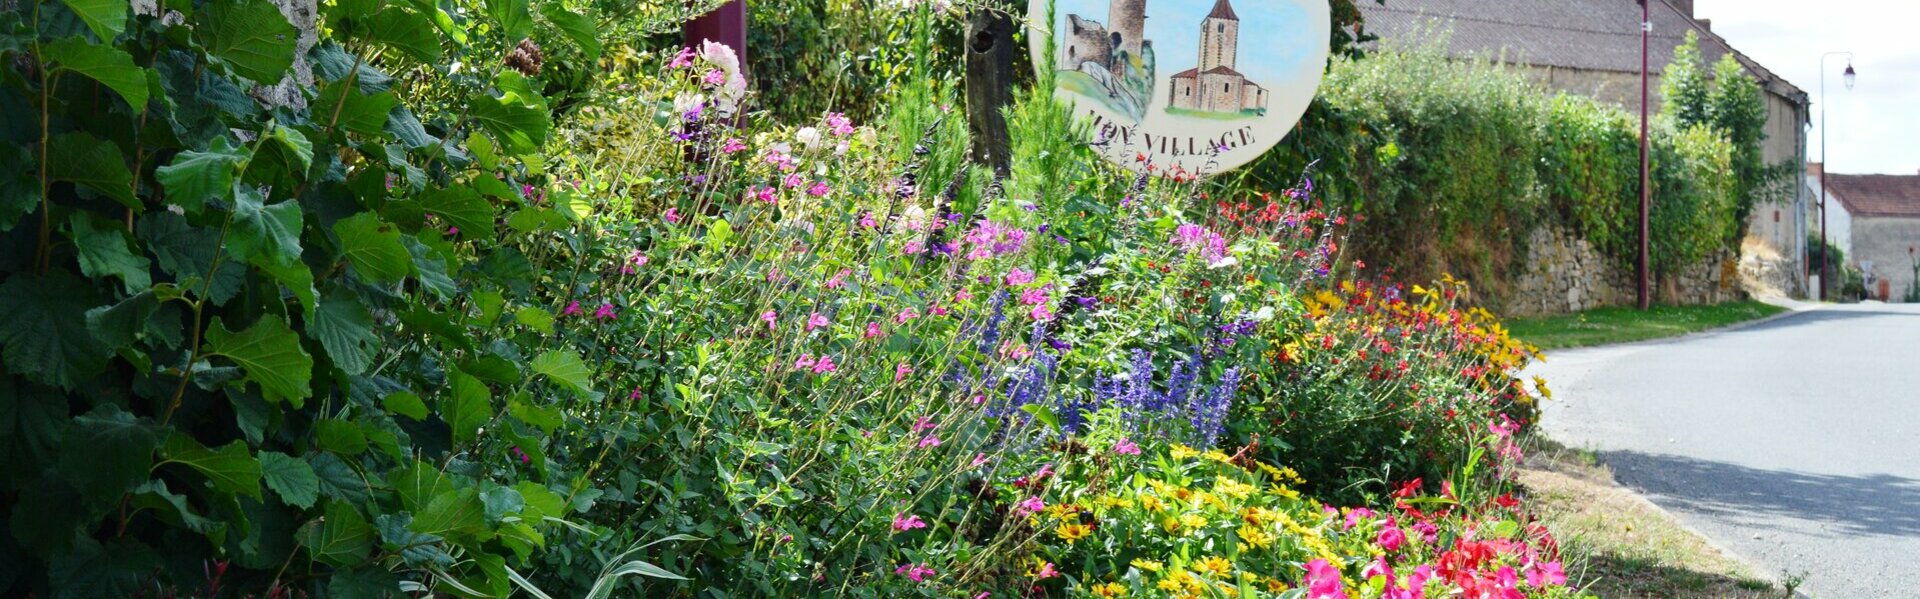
x=900 y=371
x=1379 y=567
x=1428 y=532
x=1031 y=505
x=793 y=180
x=635 y=395
x=929 y=441
x=1046 y=571
x=915 y=572
x=765 y=194
x=819 y=189
x=1125 y=447
x=873 y=330
x=673 y=215
x=604 y=313
x=573 y=309
x=524 y=459
x=1548 y=574
x=825 y=365
x=962 y=295
x=816 y=321
x=979 y=459
x=453 y=230
x=1017 y=277
x=1355 y=517
x=804 y=362
x=733 y=145
x=922 y=423
x=1040 y=313
x=1034 y=296
x=906 y=522
x=771 y=318
x=905 y=315
x=633 y=262
x=684 y=60
x=839 y=279
x=983 y=595
x=838 y=124
x=715 y=77
x=1045 y=471
x=866 y=219
x=1391 y=538
x=1323 y=581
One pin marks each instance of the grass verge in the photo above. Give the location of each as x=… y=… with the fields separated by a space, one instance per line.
x=1618 y=545
x=1601 y=326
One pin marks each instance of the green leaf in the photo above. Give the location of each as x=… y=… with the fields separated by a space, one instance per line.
x=535 y=318
x=406 y=128
x=461 y=207
x=547 y=419
x=406 y=31
x=103 y=253
x=174 y=510
x=121 y=324
x=521 y=129
x=578 y=28
x=565 y=369
x=493 y=369
x=512 y=15
x=294 y=275
x=252 y=38
x=455 y=513
x=261 y=233
x=291 y=478
x=541 y=501
x=107 y=451
x=271 y=355
x=231 y=469
x=417 y=484
x=430 y=270
x=44 y=333
x=352 y=110
x=342 y=537
x=195 y=177
x=374 y=248
x=344 y=328
x=292 y=140
x=405 y=403
x=107 y=18
x=340 y=436
x=19 y=184
x=187 y=252
x=92 y=163
x=115 y=569
x=468 y=407
x=337 y=479
x=105 y=64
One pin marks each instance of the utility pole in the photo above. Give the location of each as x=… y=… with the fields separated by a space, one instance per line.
x=1641 y=296
x=1824 y=167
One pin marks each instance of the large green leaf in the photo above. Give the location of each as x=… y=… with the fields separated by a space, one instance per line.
x=340 y=436
x=261 y=233
x=344 y=328
x=521 y=129
x=174 y=509
x=405 y=403
x=374 y=248
x=92 y=163
x=103 y=253
x=342 y=538
x=271 y=355
x=107 y=451
x=565 y=369
x=468 y=407
x=418 y=483
x=252 y=38
x=406 y=31
x=101 y=571
x=456 y=513
x=19 y=184
x=512 y=16
x=338 y=480
x=295 y=144
x=291 y=478
x=353 y=110
x=194 y=177
x=105 y=64
x=461 y=207
x=231 y=469
x=44 y=333
x=578 y=28
x=187 y=252
x=430 y=270
x=107 y=18
x=121 y=324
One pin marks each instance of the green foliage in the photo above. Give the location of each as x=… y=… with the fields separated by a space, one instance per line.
x=1685 y=94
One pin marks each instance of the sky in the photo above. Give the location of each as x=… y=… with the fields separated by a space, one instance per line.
x=1876 y=126
x=1267 y=28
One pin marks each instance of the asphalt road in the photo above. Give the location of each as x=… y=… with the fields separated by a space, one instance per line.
x=1794 y=443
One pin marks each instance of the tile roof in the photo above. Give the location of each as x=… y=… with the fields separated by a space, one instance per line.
x=1602 y=35
x=1223 y=10
x=1877 y=195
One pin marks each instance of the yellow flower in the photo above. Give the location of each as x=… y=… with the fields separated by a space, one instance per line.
x=1171 y=524
x=1232 y=488
x=1181 y=452
x=1215 y=565
x=1073 y=531
x=1169 y=584
x=1111 y=589
x=1151 y=503
x=1540 y=385
x=1195 y=521
x=1217 y=456
x=1147 y=564
x=1274 y=585
x=1254 y=536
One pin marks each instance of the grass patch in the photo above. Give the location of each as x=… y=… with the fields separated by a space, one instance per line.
x=1602 y=326
x=1618 y=545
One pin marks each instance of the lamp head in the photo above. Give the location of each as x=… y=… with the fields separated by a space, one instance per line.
x=1849 y=76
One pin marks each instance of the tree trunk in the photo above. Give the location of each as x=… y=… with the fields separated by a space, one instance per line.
x=990 y=78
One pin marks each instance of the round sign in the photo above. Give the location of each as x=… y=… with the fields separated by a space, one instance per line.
x=1193 y=87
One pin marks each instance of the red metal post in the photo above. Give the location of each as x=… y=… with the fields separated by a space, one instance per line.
x=1646 y=178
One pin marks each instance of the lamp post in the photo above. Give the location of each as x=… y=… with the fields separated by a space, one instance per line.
x=1643 y=299
x=1825 y=268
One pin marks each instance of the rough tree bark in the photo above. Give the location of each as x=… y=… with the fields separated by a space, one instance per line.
x=990 y=52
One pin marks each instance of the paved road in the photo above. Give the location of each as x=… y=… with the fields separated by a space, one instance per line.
x=1793 y=443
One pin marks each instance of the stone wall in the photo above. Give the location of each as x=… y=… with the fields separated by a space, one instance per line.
x=1562 y=273
x=1885 y=241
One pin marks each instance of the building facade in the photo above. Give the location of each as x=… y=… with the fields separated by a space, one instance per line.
x=1103 y=44
x=1875 y=221
x=1214 y=85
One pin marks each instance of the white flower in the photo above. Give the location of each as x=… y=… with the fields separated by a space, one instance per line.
x=808 y=136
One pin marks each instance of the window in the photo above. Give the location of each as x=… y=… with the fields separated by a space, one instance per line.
x=1226 y=87
x=1220 y=27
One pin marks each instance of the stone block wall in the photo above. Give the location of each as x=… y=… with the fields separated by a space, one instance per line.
x=1561 y=273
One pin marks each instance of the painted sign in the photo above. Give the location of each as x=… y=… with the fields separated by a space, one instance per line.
x=1196 y=87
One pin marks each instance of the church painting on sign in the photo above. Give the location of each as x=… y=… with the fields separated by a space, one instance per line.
x=1214 y=86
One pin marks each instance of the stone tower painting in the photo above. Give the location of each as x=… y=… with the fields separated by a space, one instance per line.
x=1115 y=58
x=1214 y=85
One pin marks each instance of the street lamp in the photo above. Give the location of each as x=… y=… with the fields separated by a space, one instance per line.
x=1825 y=166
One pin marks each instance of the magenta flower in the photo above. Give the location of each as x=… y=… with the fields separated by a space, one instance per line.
x=1034 y=295
x=816 y=321
x=979 y=459
x=1041 y=313
x=1391 y=538
x=573 y=309
x=771 y=319
x=839 y=125
x=873 y=330
x=929 y=441
x=900 y=371
x=605 y=312
x=962 y=295
x=1018 y=277
x=634 y=262
x=922 y=423
x=824 y=365
x=804 y=362
x=839 y=279
x=635 y=395
x=1125 y=447
x=1045 y=471
x=1030 y=505
x=684 y=60
x=733 y=145
x=1358 y=515
x=673 y=215
x=1323 y=581
x=1046 y=571
x=715 y=77
x=906 y=315
x=793 y=181
x=906 y=522
x=915 y=572
x=819 y=189
x=1548 y=574
x=765 y=194
x=524 y=459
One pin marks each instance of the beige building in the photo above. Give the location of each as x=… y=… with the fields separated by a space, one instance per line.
x=1875 y=221
x=1592 y=48
x=1215 y=86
